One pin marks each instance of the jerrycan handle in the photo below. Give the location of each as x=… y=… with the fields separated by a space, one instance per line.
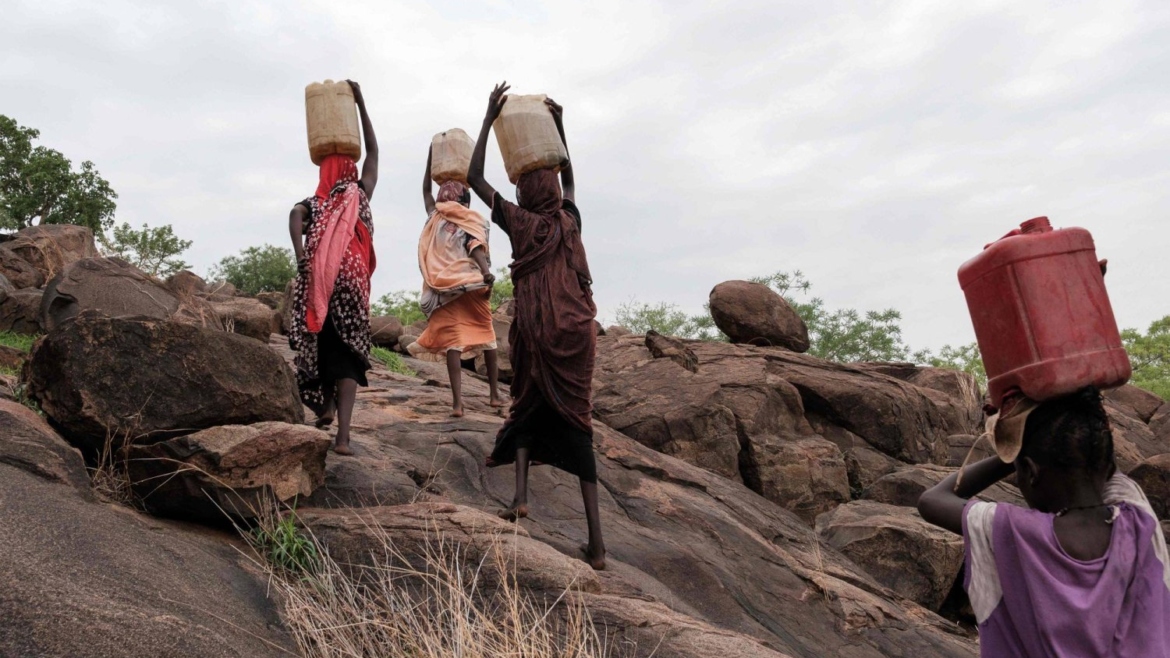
x=1032 y=226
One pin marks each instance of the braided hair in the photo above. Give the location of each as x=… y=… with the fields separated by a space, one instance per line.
x=1070 y=434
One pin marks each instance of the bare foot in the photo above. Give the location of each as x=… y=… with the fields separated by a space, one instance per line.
x=514 y=513
x=598 y=563
x=343 y=448
x=496 y=403
x=323 y=422
x=457 y=412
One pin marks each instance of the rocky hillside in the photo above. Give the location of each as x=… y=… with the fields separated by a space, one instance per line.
x=756 y=501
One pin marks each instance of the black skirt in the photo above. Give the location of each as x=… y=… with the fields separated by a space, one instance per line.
x=336 y=360
x=550 y=439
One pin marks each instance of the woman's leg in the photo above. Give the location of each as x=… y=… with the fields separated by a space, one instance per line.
x=455 y=374
x=493 y=367
x=346 y=395
x=595 y=549
x=329 y=409
x=519 y=507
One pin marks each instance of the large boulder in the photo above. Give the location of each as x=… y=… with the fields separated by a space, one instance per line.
x=50 y=247
x=894 y=545
x=20 y=311
x=115 y=288
x=18 y=271
x=186 y=283
x=753 y=313
x=11 y=359
x=1153 y=476
x=142 y=379
x=806 y=475
x=384 y=331
x=1142 y=403
x=232 y=470
x=955 y=393
x=273 y=300
x=906 y=485
x=358 y=537
x=5 y=284
x=85 y=578
x=29 y=444
x=247 y=316
x=286 y=308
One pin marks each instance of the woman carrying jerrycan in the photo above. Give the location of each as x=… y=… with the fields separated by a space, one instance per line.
x=1083 y=570
x=552 y=336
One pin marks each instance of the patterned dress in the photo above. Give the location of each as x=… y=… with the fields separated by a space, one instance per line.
x=345 y=340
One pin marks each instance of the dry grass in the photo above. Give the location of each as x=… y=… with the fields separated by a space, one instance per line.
x=109 y=476
x=434 y=605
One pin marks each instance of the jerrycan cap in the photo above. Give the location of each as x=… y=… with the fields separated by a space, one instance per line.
x=1036 y=225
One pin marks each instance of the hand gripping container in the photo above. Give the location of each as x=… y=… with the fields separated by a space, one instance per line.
x=332 y=121
x=1041 y=314
x=528 y=137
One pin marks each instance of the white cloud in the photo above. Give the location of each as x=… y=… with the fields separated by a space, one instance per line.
x=874 y=146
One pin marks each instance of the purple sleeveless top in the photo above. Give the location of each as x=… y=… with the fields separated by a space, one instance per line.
x=1033 y=600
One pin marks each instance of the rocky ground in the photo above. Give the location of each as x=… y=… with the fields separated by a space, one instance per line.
x=756 y=501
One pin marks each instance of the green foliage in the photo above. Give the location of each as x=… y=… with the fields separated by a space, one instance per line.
x=39 y=185
x=257 y=269
x=285 y=547
x=403 y=304
x=503 y=290
x=965 y=358
x=668 y=320
x=16 y=341
x=392 y=360
x=1149 y=354
x=155 y=251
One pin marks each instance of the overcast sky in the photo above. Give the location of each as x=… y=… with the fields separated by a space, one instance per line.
x=873 y=145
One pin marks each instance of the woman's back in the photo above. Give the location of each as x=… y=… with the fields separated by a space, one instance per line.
x=1032 y=597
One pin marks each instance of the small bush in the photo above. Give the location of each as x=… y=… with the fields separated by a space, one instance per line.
x=16 y=341
x=284 y=547
x=392 y=360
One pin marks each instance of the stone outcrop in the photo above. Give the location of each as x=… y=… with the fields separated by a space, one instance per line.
x=247 y=316
x=906 y=485
x=84 y=578
x=48 y=248
x=233 y=470
x=1153 y=475
x=186 y=283
x=753 y=313
x=20 y=311
x=141 y=379
x=17 y=271
x=693 y=556
x=384 y=331
x=11 y=359
x=115 y=288
x=894 y=545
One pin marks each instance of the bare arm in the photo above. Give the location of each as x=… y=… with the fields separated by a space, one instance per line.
x=475 y=179
x=479 y=255
x=568 y=187
x=370 y=167
x=428 y=198
x=943 y=504
x=296 y=230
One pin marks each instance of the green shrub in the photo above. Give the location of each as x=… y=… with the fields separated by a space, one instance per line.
x=392 y=360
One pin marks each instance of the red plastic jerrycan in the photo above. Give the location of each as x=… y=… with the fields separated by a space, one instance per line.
x=1041 y=314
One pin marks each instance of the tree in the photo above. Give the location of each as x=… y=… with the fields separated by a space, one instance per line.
x=668 y=320
x=965 y=358
x=403 y=304
x=38 y=185
x=155 y=251
x=1149 y=354
x=257 y=269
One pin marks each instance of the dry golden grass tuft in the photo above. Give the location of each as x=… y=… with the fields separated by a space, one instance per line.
x=433 y=605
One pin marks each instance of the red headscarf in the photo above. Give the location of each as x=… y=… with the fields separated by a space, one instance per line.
x=335 y=169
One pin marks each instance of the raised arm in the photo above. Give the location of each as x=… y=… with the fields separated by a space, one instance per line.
x=943 y=504
x=475 y=179
x=568 y=188
x=370 y=167
x=428 y=198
